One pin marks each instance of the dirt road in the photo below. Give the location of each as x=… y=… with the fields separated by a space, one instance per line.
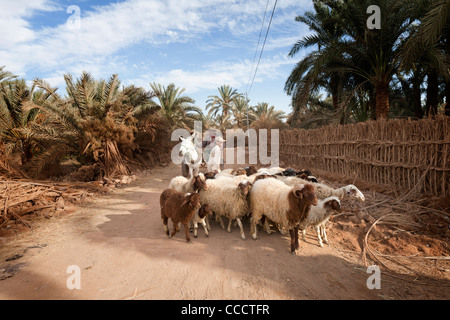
x=119 y=245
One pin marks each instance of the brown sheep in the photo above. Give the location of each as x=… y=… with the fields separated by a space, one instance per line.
x=210 y=175
x=284 y=205
x=239 y=172
x=180 y=208
x=251 y=170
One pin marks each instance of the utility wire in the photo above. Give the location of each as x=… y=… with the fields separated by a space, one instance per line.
x=260 y=55
x=264 y=44
x=257 y=46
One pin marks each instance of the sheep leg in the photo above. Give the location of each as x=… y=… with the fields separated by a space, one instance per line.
x=195 y=229
x=253 y=229
x=176 y=228
x=282 y=230
x=304 y=235
x=186 y=231
x=291 y=233
x=207 y=223
x=267 y=226
x=166 y=227
x=204 y=224
x=296 y=237
x=324 y=234
x=229 y=225
x=318 y=236
x=241 y=227
x=221 y=222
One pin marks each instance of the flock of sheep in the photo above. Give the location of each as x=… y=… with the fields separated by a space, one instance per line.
x=292 y=200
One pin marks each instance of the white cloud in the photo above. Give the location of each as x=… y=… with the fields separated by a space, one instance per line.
x=109 y=33
x=14 y=26
x=214 y=75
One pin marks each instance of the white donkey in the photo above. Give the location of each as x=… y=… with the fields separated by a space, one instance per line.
x=191 y=157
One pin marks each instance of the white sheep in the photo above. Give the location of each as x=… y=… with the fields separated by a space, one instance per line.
x=323 y=191
x=185 y=185
x=284 y=205
x=272 y=170
x=318 y=217
x=228 y=198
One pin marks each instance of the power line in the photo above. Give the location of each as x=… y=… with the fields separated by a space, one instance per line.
x=262 y=49
x=257 y=46
x=260 y=55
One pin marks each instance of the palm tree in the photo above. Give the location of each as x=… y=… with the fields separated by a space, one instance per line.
x=92 y=124
x=240 y=112
x=177 y=109
x=223 y=104
x=6 y=75
x=207 y=120
x=376 y=55
x=318 y=68
x=266 y=115
x=351 y=55
x=429 y=44
x=17 y=114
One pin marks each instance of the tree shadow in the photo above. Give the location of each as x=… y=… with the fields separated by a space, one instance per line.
x=262 y=268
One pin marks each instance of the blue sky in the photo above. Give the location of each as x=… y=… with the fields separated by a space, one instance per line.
x=199 y=45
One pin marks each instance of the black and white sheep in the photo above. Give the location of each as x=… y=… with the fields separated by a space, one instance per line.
x=201 y=217
x=318 y=217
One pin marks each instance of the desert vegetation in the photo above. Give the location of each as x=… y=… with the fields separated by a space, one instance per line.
x=105 y=126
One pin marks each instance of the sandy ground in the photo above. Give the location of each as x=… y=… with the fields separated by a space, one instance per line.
x=119 y=245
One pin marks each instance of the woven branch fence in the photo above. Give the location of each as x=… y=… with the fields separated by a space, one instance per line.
x=400 y=153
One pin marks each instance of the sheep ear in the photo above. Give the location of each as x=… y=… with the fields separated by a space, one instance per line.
x=298 y=193
x=335 y=205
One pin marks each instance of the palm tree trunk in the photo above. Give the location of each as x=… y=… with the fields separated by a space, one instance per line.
x=447 y=82
x=334 y=91
x=372 y=104
x=335 y=101
x=447 y=98
x=382 y=100
x=432 y=93
x=417 y=100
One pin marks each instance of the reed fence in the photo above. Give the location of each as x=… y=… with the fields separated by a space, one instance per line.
x=400 y=153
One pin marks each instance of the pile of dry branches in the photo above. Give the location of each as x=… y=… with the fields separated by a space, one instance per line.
x=401 y=229
x=22 y=199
